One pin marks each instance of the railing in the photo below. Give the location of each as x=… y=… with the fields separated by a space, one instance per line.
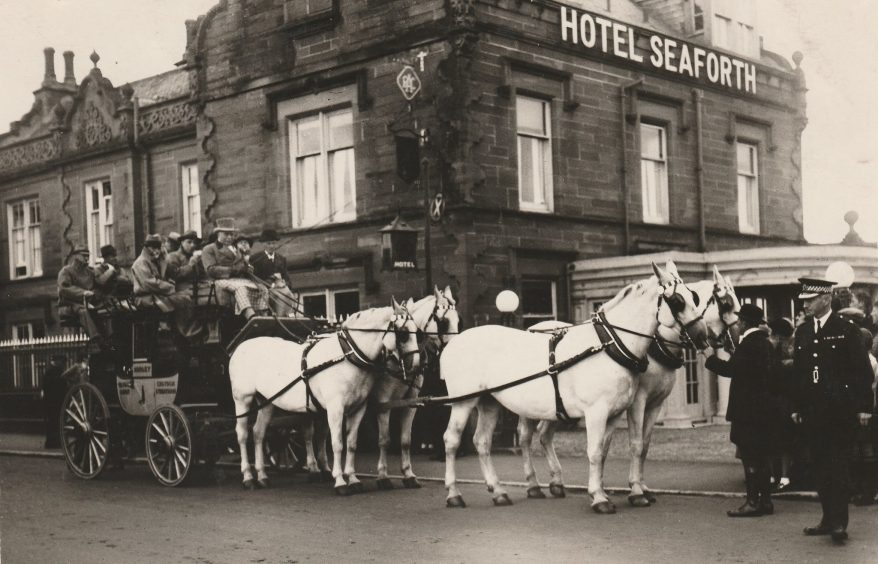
x=22 y=362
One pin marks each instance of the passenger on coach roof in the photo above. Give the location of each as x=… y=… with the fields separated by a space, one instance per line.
x=226 y=266
x=271 y=267
x=119 y=284
x=153 y=287
x=80 y=289
x=183 y=265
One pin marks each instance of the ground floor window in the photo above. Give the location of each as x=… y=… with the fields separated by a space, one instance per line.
x=331 y=303
x=539 y=301
x=690 y=365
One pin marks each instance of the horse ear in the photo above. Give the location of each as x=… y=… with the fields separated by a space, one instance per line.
x=447 y=291
x=394 y=303
x=729 y=283
x=717 y=277
x=672 y=268
x=410 y=304
x=662 y=276
x=436 y=292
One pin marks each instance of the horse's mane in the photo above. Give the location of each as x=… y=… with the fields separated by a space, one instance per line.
x=368 y=316
x=625 y=292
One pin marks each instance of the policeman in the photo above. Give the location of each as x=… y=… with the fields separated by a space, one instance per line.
x=832 y=379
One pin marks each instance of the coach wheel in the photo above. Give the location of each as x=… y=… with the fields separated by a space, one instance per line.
x=85 y=430
x=285 y=450
x=169 y=445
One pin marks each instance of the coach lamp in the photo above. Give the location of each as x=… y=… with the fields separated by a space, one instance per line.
x=507 y=302
x=399 y=246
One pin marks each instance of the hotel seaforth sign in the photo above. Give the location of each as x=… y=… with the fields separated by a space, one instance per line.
x=650 y=49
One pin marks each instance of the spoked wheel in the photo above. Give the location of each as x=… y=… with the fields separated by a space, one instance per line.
x=285 y=450
x=169 y=445
x=85 y=431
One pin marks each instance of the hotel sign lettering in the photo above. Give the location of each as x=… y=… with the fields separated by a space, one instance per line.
x=657 y=51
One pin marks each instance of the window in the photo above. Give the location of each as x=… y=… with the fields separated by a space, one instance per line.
x=99 y=210
x=191 y=198
x=734 y=26
x=654 y=173
x=331 y=304
x=722 y=32
x=697 y=17
x=25 y=243
x=761 y=302
x=538 y=301
x=533 y=118
x=690 y=365
x=748 y=188
x=322 y=168
x=294 y=9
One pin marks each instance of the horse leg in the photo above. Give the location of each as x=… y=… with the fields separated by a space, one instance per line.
x=456 y=423
x=383 y=482
x=649 y=420
x=335 y=418
x=409 y=479
x=243 y=433
x=635 y=445
x=547 y=440
x=489 y=413
x=525 y=434
x=259 y=428
x=320 y=431
x=596 y=427
x=310 y=458
x=353 y=429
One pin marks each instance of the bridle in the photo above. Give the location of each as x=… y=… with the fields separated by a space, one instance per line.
x=442 y=323
x=401 y=334
x=676 y=303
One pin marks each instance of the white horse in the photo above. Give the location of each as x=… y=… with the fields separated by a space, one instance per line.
x=268 y=365
x=595 y=387
x=437 y=320
x=718 y=304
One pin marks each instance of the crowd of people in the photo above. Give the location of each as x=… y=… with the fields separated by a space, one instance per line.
x=805 y=391
x=168 y=271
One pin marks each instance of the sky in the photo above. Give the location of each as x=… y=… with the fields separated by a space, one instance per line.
x=139 y=38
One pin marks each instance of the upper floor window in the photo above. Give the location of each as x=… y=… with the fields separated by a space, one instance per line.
x=654 y=173
x=748 y=188
x=697 y=17
x=191 y=197
x=99 y=212
x=296 y=9
x=533 y=118
x=25 y=243
x=734 y=26
x=322 y=168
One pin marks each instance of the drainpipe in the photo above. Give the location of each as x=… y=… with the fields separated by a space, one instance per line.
x=699 y=169
x=623 y=169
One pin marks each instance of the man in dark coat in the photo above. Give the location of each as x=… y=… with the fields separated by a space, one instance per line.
x=753 y=369
x=53 y=389
x=271 y=266
x=833 y=379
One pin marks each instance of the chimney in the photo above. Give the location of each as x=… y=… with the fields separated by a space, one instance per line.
x=69 y=78
x=49 y=74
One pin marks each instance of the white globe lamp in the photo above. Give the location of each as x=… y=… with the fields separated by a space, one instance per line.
x=841 y=273
x=506 y=301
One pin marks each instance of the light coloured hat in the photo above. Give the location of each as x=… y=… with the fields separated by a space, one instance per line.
x=226 y=224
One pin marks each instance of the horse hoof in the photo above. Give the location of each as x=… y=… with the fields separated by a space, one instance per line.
x=384 y=484
x=456 y=501
x=315 y=477
x=356 y=487
x=604 y=508
x=650 y=497
x=249 y=485
x=638 y=501
x=325 y=475
x=535 y=493
x=263 y=484
x=502 y=500
x=343 y=490
x=557 y=490
x=411 y=483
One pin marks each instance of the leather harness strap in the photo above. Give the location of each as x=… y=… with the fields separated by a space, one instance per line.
x=661 y=354
x=306 y=377
x=615 y=347
x=560 y=411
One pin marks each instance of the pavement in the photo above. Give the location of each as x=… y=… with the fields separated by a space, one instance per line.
x=672 y=477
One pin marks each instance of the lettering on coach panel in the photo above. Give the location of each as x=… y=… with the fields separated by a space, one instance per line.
x=656 y=51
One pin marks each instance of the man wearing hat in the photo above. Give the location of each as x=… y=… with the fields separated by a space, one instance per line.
x=229 y=270
x=172 y=242
x=182 y=270
x=118 y=284
x=753 y=369
x=80 y=288
x=271 y=266
x=832 y=379
x=152 y=286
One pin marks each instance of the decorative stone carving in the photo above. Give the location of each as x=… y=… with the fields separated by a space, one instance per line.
x=30 y=153
x=463 y=12
x=93 y=130
x=166 y=117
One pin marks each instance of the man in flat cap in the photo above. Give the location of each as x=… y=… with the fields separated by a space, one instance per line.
x=753 y=369
x=182 y=270
x=832 y=380
x=152 y=286
x=271 y=266
x=81 y=289
x=229 y=270
x=119 y=284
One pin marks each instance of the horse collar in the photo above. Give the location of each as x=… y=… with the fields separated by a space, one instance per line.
x=353 y=353
x=615 y=347
x=661 y=354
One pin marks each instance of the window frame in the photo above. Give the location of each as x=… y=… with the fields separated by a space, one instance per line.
x=542 y=315
x=328 y=295
x=661 y=194
x=104 y=212
x=187 y=197
x=33 y=253
x=544 y=141
x=753 y=184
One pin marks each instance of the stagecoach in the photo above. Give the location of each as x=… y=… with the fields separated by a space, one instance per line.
x=154 y=393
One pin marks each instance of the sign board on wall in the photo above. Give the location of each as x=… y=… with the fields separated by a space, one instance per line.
x=656 y=51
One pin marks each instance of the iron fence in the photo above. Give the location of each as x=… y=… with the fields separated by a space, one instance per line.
x=22 y=362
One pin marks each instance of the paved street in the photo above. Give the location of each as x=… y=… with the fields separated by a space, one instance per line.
x=49 y=516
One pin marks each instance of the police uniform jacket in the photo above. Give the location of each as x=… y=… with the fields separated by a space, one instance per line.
x=222 y=262
x=265 y=267
x=831 y=372
x=754 y=371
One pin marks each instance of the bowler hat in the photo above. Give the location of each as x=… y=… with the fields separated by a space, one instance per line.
x=781 y=326
x=752 y=314
x=77 y=249
x=242 y=237
x=268 y=236
x=226 y=224
x=191 y=234
x=108 y=251
x=813 y=287
x=154 y=241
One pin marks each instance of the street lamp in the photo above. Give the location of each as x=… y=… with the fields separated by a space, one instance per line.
x=507 y=302
x=841 y=273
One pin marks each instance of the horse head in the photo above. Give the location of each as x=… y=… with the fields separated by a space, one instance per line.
x=727 y=306
x=677 y=305
x=401 y=336
x=444 y=321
